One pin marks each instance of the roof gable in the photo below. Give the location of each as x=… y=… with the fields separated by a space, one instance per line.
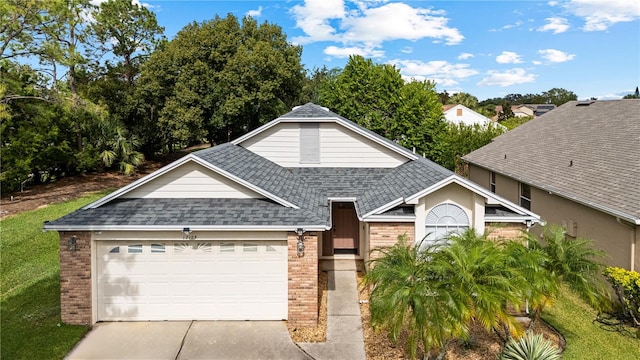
x=588 y=153
x=317 y=114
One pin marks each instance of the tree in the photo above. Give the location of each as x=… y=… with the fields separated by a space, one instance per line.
x=458 y=140
x=376 y=97
x=575 y=263
x=314 y=81
x=221 y=78
x=409 y=297
x=18 y=22
x=506 y=112
x=464 y=99
x=635 y=95
x=558 y=96
x=129 y=31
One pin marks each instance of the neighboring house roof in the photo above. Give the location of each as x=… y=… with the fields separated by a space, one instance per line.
x=460 y=114
x=540 y=109
x=290 y=197
x=588 y=152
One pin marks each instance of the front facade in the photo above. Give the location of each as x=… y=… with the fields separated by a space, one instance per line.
x=578 y=167
x=460 y=114
x=239 y=231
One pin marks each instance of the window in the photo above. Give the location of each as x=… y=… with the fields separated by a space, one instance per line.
x=227 y=247
x=157 y=248
x=444 y=219
x=135 y=249
x=310 y=143
x=115 y=250
x=247 y=247
x=525 y=196
x=492 y=182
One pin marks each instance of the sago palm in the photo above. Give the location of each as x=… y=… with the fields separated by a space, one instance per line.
x=407 y=297
x=530 y=347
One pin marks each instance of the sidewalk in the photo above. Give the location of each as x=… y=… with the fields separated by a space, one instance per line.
x=344 y=324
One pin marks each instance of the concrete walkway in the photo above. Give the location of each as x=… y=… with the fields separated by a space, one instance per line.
x=344 y=324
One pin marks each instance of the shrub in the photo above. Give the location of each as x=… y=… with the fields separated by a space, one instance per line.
x=627 y=286
x=530 y=347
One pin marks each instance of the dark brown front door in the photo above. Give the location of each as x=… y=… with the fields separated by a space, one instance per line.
x=345 y=233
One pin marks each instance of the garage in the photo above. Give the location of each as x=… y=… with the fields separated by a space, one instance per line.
x=191 y=280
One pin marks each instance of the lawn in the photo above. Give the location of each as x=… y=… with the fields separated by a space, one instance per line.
x=30 y=326
x=585 y=339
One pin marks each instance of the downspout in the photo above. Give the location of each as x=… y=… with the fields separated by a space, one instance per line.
x=632 y=241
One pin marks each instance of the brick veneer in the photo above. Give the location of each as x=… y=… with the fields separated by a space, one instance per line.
x=503 y=231
x=303 y=280
x=75 y=279
x=386 y=234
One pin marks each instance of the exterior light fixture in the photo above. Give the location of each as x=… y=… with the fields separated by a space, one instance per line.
x=72 y=243
x=186 y=231
x=300 y=245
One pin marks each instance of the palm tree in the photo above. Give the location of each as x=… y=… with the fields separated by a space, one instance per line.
x=536 y=284
x=408 y=297
x=476 y=272
x=576 y=264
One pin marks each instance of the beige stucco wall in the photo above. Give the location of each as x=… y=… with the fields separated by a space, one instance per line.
x=472 y=204
x=609 y=235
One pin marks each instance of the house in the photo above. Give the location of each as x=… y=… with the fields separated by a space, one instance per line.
x=579 y=167
x=240 y=231
x=460 y=114
x=527 y=110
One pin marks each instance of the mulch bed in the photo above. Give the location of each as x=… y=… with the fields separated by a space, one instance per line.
x=318 y=333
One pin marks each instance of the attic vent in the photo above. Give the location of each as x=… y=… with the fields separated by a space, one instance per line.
x=585 y=103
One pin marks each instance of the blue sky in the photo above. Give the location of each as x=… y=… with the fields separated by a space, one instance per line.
x=486 y=48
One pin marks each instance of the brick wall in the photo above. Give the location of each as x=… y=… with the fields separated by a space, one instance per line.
x=386 y=235
x=504 y=231
x=303 y=280
x=75 y=279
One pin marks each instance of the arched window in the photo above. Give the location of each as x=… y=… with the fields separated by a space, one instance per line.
x=443 y=219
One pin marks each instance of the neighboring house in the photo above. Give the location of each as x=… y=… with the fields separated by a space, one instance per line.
x=527 y=110
x=239 y=231
x=579 y=167
x=460 y=114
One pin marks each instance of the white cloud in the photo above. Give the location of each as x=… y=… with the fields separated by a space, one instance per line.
x=255 y=13
x=599 y=15
x=555 y=56
x=556 y=24
x=508 y=26
x=442 y=72
x=506 y=78
x=314 y=19
x=537 y=62
x=465 y=56
x=370 y=22
x=552 y=3
x=345 y=52
x=508 y=57
x=406 y=50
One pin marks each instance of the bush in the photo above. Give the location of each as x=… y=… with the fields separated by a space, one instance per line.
x=627 y=286
x=530 y=347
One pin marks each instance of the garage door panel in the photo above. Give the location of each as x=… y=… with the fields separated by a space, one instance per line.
x=216 y=280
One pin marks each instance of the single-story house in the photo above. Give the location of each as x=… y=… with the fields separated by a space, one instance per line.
x=460 y=114
x=239 y=231
x=578 y=166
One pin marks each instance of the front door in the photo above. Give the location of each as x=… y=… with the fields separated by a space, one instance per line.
x=345 y=234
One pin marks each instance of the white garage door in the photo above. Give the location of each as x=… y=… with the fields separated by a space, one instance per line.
x=192 y=280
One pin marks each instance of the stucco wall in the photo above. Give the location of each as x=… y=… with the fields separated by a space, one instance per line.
x=602 y=228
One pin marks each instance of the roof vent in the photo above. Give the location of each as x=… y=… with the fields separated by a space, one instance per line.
x=585 y=103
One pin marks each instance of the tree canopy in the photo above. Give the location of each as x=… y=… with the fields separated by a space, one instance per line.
x=376 y=97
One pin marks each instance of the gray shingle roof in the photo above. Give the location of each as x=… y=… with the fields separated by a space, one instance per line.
x=306 y=188
x=588 y=153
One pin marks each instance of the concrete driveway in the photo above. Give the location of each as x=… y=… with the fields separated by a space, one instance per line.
x=188 y=340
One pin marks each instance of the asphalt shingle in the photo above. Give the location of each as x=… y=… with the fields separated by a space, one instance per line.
x=589 y=152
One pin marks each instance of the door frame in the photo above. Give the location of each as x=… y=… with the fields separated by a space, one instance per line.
x=327 y=236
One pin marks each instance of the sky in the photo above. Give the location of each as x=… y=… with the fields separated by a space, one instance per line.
x=486 y=48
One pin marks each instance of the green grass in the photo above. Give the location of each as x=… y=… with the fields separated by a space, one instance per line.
x=30 y=326
x=587 y=339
